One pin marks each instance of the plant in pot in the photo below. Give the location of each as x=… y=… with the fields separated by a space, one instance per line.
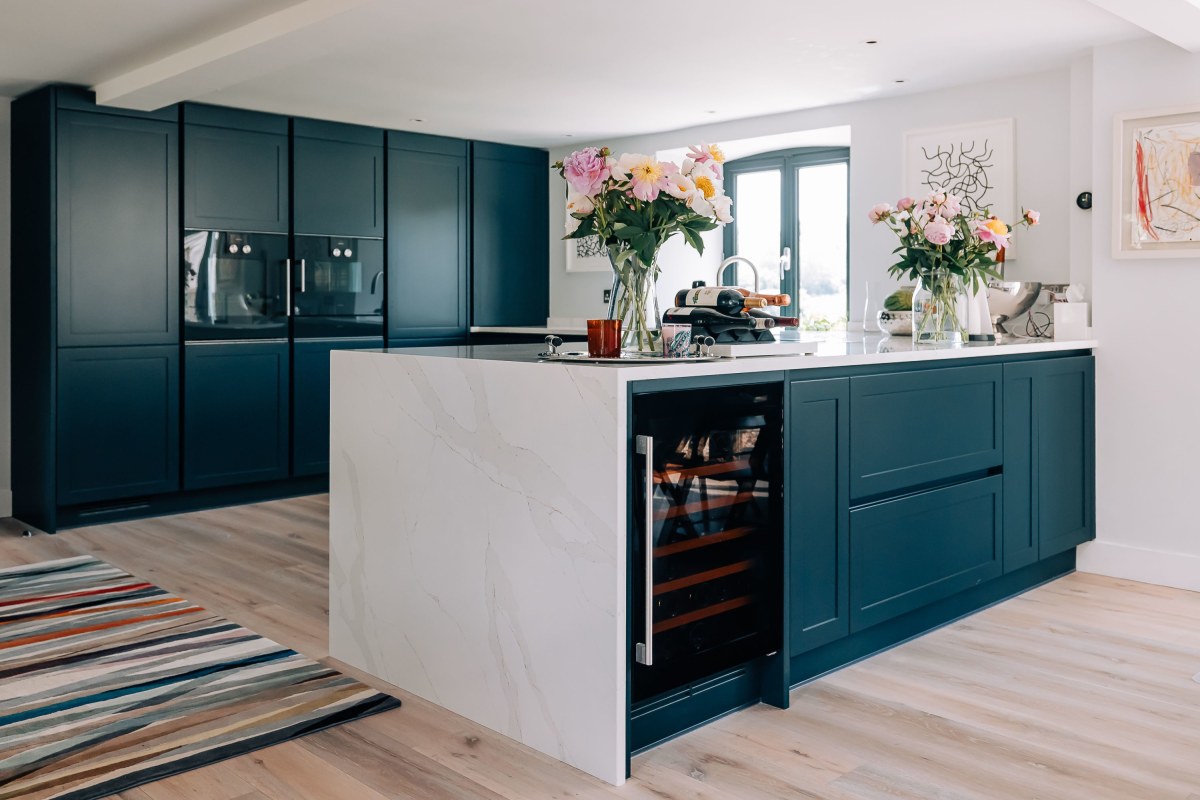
x=948 y=250
x=634 y=203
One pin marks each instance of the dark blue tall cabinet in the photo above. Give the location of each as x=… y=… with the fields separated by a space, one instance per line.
x=95 y=303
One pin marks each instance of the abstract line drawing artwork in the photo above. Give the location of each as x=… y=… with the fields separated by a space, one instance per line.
x=1166 y=183
x=587 y=255
x=973 y=161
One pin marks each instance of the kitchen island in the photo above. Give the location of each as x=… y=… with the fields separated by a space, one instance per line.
x=484 y=514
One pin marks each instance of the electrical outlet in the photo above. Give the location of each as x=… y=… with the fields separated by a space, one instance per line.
x=607 y=295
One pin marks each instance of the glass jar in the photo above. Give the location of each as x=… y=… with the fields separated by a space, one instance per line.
x=634 y=301
x=939 y=309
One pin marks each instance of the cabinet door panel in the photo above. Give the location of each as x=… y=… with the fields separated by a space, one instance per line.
x=235 y=413
x=819 y=515
x=338 y=188
x=118 y=230
x=1020 y=465
x=511 y=275
x=235 y=180
x=427 y=245
x=118 y=422
x=909 y=552
x=1066 y=454
x=310 y=395
x=951 y=428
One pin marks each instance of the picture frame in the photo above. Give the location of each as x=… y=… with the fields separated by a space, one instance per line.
x=1150 y=218
x=587 y=255
x=976 y=161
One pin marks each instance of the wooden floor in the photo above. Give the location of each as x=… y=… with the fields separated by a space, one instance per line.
x=1079 y=689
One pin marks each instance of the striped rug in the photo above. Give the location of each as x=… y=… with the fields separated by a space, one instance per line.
x=108 y=682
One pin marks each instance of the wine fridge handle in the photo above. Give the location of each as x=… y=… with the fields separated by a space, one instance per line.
x=644 y=651
x=302 y=271
x=287 y=282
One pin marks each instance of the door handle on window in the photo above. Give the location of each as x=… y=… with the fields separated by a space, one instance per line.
x=785 y=259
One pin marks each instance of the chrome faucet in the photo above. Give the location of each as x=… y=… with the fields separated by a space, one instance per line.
x=733 y=260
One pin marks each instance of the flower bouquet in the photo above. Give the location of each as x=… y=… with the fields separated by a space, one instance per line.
x=947 y=250
x=634 y=203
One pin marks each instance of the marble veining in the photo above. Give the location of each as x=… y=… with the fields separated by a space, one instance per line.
x=475 y=550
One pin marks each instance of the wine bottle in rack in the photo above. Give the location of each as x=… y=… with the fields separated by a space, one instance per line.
x=708 y=318
x=725 y=299
x=771 y=299
x=782 y=322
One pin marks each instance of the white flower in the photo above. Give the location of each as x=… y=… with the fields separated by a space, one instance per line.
x=580 y=204
x=697 y=203
x=721 y=206
x=680 y=186
x=614 y=167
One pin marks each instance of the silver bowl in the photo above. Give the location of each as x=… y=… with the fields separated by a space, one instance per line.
x=1010 y=299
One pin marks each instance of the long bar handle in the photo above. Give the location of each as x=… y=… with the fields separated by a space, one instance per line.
x=288 y=282
x=644 y=651
x=302 y=270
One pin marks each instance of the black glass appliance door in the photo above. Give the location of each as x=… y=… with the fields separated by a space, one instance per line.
x=337 y=288
x=235 y=285
x=706 y=554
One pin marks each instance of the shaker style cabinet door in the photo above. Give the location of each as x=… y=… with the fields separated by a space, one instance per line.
x=819 y=513
x=510 y=225
x=337 y=185
x=118 y=230
x=1020 y=464
x=427 y=238
x=310 y=401
x=235 y=171
x=1066 y=489
x=118 y=422
x=235 y=413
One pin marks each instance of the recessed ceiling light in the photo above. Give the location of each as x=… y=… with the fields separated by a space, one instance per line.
x=569 y=135
x=710 y=111
x=414 y=119
x=871 y=41
x=900 y=80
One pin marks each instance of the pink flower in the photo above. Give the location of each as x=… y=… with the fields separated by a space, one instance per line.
x=879 y=212
x=647 y=176
x=952 y=207
x=905 y=203
x=991 y=230
x=1032 y=217
x=938 y=232
x=586 y=171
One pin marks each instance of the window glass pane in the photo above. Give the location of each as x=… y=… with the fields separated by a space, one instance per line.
x=821 y=208
x=757 y=214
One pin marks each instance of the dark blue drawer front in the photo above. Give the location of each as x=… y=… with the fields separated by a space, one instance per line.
x=913 y=428
x=911 y=551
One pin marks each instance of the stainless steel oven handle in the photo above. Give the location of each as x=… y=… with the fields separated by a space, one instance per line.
x=302 y=289
x=287 y=282
x=644 y=651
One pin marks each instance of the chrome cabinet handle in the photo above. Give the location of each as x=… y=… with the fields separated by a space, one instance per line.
x=302 y=275
x=288 y=282
x=644 y=651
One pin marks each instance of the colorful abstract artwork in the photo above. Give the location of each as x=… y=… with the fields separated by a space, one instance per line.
x=1166 y=183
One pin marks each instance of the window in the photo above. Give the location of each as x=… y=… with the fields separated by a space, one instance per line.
x=790 y=218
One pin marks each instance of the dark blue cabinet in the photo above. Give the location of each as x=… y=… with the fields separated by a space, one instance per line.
x=510 y=226
x=310 y=401
x=908 y=552
x=235 y=413
x=118 y=230
x=337 y=179
x=118 y=422
x=235 y=175
x=923 y=426
x=818 y=470
x=1049 y=457
x=427 y=239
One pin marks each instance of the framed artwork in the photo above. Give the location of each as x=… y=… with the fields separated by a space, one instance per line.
x=587 y=255
x=974 y=161
x=1156 y=184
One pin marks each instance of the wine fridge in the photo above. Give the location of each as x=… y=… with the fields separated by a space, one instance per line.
x=707 y=545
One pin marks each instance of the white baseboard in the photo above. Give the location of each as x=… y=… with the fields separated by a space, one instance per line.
x=5 y=503
x=1161 y=567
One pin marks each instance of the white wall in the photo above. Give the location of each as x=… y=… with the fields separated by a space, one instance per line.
x=1040 y=104
x=5 y=316
x=1147 y=381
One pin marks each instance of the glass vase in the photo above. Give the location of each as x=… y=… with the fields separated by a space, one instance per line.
x=939 y=310
x=634 y=301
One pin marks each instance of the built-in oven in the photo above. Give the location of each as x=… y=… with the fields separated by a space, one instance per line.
x=338 y=287
x=235 y=285
x=706 y=551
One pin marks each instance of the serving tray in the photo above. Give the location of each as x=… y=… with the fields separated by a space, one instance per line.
x=625 y=358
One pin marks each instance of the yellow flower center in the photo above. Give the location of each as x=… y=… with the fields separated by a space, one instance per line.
x=997 y=227
x=650 y=171
x=717 y=154
x=705 y=185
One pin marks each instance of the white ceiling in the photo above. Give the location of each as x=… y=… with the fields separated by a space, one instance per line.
x=543 y=72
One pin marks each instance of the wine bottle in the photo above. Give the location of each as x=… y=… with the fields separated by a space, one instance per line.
x=706 y=317
x=782 y=322
x=725 y=299
x=771 y=299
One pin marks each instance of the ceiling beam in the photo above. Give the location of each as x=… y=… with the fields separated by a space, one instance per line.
x=1176 y=21
x=267 y=44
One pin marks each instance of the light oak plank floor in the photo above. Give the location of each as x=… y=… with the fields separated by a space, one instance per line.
x=1078 y=689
